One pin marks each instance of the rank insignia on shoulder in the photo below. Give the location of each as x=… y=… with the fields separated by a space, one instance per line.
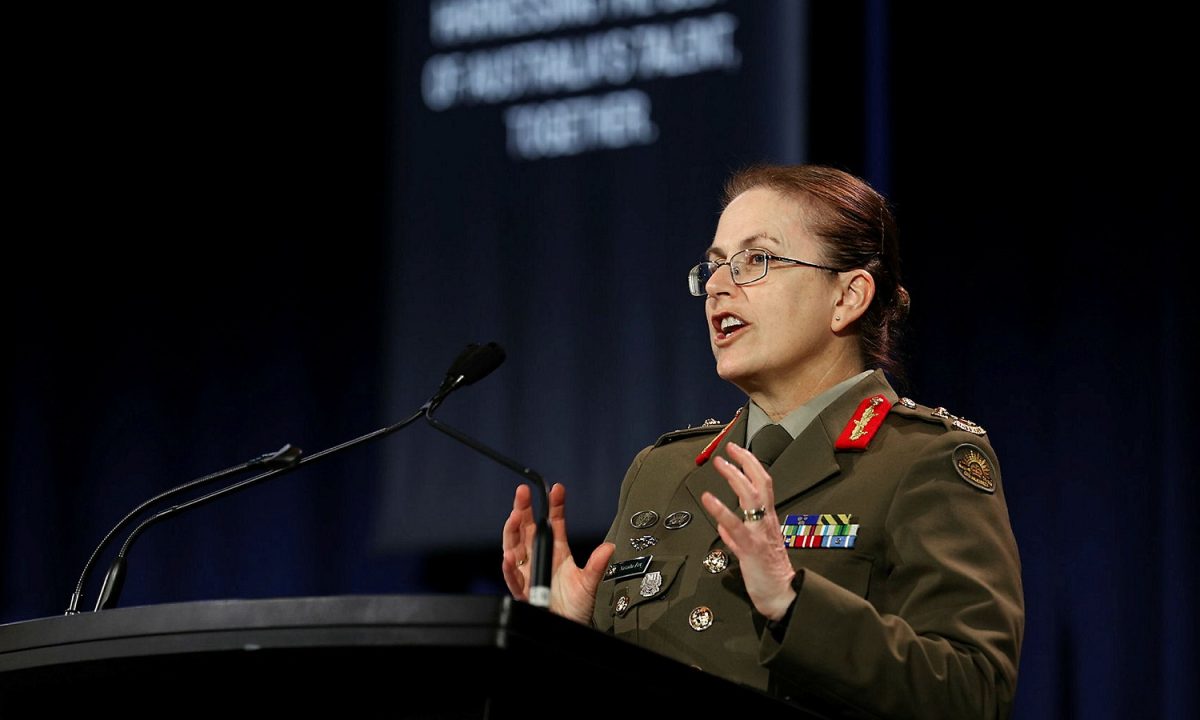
x=967 y=425
x=942 y=415
x=711 y=447
x=864 y=424
x=973 y=465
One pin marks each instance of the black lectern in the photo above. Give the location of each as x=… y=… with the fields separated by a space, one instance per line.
x=378 y=656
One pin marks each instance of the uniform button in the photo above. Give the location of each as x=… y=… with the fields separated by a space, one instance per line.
x=716 y=561
x=701 y=618
x=621 y=605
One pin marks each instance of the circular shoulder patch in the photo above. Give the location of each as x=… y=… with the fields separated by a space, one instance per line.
x=973 y=466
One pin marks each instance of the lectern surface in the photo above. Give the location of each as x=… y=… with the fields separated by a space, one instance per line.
x=386 y=656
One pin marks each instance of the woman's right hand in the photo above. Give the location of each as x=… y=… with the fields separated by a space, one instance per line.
x=572 y=588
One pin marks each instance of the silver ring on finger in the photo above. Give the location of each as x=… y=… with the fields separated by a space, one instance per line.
x=754 y=514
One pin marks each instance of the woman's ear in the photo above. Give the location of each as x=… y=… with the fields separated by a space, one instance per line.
x=856 y=290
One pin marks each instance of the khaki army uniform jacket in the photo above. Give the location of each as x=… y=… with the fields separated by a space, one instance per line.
x=911 y=608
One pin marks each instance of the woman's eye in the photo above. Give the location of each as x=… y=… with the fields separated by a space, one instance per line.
x=757 y=258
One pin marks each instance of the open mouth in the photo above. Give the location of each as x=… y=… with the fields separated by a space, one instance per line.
x=727 y=325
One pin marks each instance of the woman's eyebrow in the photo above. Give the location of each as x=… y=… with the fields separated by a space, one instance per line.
x=752 y=241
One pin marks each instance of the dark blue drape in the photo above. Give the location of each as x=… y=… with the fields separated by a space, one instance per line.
x=236 y=230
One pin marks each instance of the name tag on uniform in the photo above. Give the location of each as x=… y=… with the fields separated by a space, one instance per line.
x=628 y=568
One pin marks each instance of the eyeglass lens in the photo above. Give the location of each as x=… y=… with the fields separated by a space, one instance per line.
x=745 y=266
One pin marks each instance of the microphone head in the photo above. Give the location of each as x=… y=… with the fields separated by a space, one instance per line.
x=472 y=364
x=460 y=362
x=480 y=363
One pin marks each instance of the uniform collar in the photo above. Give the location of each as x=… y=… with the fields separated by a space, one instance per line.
x=809 y=460
x=798 y=420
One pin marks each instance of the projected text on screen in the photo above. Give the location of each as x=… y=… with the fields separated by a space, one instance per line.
x=560 y=91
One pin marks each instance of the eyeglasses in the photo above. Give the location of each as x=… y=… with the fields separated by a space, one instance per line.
x=746 y=266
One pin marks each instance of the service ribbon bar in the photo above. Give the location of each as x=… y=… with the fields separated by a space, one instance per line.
x=819 y=531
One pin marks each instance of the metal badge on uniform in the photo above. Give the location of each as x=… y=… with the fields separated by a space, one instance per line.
x=711 y=447
x=863 y=425
x=716 y=561
x=967 y=425
x=908 y=403
x=651 y=584
x=824 y=530
x=643 y=542
x=973 y=466
x=677 y=520
x=701 y=618
x=643 y=519
x=621 y=605
x=628 y=568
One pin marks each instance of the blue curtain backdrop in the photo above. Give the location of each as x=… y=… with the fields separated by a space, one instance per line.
x=237 y=229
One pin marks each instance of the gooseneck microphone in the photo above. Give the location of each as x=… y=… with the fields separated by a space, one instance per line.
x=477 y=362
x=469 y=366
x=473 y=364
x=283 y=457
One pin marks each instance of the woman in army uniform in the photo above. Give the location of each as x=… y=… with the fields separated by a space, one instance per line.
x=858 y=557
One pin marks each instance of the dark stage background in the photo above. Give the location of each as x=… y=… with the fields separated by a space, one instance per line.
x=233 y=228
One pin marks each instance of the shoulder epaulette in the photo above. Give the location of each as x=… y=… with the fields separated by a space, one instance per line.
x=706 y=428
x=938 y=415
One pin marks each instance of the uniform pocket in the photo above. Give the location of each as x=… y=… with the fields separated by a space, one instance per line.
x=651 y=585
x=847 y=569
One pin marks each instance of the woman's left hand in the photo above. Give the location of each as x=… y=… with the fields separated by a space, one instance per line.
x=758 y=544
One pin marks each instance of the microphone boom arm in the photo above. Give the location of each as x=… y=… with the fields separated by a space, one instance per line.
x=530 y=475
x=541 y=562
x=110 y=591
x=472 y=364
x=284 y=456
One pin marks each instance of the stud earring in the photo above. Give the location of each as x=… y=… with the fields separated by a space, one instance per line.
x=837 y=317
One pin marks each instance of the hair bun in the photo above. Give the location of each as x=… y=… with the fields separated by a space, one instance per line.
x=903 y=303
